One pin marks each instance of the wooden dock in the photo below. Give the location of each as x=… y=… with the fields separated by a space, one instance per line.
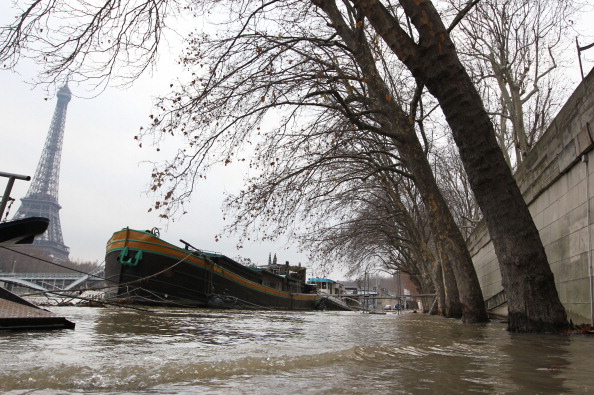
x=16 y=314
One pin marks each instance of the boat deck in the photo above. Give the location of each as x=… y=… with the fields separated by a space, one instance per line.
x=18 y=314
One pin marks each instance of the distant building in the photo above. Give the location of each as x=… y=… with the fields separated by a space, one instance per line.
x=350 y=288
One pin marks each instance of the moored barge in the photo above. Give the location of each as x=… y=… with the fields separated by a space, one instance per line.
x=148 y=270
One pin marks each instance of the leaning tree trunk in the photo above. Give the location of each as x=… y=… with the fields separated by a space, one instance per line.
x=421 y=288
x=443 y=278
x=453 y=307
x=433 y=277
x=397 y=124
x=533 y=302
x=458 y=271
x=437 y=275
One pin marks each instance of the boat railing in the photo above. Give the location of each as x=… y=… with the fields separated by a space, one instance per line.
x=190 y=247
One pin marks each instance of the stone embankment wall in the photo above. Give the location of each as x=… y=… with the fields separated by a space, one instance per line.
x=557 y=182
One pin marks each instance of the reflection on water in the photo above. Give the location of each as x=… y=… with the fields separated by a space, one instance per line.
x=188 y=351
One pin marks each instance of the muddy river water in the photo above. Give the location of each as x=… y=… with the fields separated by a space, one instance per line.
x=180 y=351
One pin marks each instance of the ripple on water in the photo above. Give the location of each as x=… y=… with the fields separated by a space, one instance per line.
x=189 y=351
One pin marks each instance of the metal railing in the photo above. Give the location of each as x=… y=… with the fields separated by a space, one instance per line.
x=43 y=276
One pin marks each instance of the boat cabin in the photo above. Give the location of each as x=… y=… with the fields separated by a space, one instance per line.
x=285 y=277
x=327 y=286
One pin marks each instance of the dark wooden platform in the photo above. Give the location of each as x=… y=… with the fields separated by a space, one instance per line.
x=18 y=314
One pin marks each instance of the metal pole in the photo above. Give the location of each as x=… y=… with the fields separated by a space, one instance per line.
x=6 y=196
x=585 y=160
x=366 y=291
x=579 y=51
x=577 y=45
x=17 y=176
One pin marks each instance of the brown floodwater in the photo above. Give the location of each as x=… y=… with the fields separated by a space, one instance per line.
x=181 y=351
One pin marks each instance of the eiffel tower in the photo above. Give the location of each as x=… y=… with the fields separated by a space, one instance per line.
x=42 y=197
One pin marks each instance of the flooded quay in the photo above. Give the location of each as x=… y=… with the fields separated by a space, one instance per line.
x=181 y=351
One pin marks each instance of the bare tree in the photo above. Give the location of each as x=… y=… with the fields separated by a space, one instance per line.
x=352 y=205
x=454 y=185
x=91 y=41
x=513 y=48
x=383 y=229
x=399 y=126
x=533 y=301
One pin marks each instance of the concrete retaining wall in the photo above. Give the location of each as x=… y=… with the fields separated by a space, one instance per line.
x=557 y=182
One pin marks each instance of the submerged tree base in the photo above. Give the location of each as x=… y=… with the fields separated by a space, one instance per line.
x=519 y=323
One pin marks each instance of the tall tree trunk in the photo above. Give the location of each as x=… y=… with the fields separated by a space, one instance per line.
x=443 y=279
x=421 y=288
x=433 y=276
x=453 y=307
x=457 y=262
x=437 y=275
x=533 y=302
x=398 y=125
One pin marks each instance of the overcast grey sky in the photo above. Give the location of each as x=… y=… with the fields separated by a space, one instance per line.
x=103 y=177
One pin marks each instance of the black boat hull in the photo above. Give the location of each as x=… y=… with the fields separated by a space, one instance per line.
x=148 y=270
x=22 y=231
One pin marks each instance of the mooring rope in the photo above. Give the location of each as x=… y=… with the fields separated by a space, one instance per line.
x=104 y=278
x=52 y=263
x=208 y=284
